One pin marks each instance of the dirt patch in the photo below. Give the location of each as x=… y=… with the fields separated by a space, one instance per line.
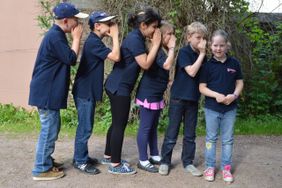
x=257 y=162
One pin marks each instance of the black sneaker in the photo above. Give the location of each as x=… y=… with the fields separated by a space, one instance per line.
x=154 y=162
x=93 y=161
x=149 y=167
x=87 y=168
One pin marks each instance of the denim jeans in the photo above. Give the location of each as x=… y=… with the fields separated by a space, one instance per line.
x=148 y=133
x=50 y=128
x=85 y=110
x=222 y=123
x=186 y=111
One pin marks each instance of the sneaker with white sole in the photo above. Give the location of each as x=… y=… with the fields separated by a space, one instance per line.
x=209 y=174
x=193 y=170
x=52 y=174
x=121 y=169
x=227 y=175
x=163 y=169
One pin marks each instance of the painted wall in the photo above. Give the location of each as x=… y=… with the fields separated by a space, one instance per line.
x=20 y=39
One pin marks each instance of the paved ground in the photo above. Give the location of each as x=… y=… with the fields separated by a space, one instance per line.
x=257 y=163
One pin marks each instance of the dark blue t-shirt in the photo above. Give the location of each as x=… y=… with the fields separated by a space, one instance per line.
x=51 y=75
x=122 y=79
x=154 y=80
x=184 y=86
x=221 y=77
x=90 y=75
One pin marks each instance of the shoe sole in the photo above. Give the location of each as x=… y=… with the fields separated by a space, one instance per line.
x=118 y=173
x=47 y=178
x=145 y=169
x=209 y=180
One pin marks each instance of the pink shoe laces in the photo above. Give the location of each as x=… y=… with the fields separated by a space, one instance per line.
x=209 y=172
x=227 y=172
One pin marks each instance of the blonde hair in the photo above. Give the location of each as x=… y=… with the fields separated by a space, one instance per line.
x=196 y=27
x=224 y=35
x=165 y=26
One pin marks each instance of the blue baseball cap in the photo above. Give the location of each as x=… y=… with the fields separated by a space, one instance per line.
x=99 y=17
x=67 y=10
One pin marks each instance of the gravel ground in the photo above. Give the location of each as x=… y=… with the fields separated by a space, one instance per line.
x=257 y=162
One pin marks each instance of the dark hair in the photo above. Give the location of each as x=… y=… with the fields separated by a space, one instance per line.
x=148 y=16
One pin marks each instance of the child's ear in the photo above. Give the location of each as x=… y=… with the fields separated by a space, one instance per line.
x=143 y=25
x=65 y=20
x=96 y=26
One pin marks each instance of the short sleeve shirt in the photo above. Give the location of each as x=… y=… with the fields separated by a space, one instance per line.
x=184 y=86
x=122 y=79
x=51 y=74
x=90 y=75
x=221 y=77
x=154 y=80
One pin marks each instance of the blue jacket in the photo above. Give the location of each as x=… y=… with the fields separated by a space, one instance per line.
x=51 y=75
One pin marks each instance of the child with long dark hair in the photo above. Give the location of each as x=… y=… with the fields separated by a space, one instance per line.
x=121 y=81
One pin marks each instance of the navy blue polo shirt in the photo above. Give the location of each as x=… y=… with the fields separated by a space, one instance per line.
x=221 y=77
x=90 y=75
x=51 y=75
x=154 y=80
x=122 y=79
x=184 y=86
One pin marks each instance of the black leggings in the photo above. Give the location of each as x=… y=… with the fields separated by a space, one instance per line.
x=120 y=106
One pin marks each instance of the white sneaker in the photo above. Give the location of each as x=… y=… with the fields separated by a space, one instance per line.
x=209 y=174
x=163 y=169
x=193 y=170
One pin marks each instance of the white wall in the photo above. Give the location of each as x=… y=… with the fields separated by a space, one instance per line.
x=20 y=39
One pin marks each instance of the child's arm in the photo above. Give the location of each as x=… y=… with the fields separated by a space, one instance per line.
x=76 y=36
x=220 y=98
x=115 y=54
x=192 y=70
x=170 y=57
x=238 y=89
x=146 y=60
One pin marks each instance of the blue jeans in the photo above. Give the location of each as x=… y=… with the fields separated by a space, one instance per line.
x=148 y=133
x=186 y=111
x=85 y=110
x=222 y=123
x=50 y=128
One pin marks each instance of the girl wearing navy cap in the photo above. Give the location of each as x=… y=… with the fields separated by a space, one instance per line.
x=150 y=98
x=121 y=81
x=221 y=82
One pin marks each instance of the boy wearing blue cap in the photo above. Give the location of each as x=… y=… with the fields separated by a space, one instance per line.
x=50 y=83
x=88 y=85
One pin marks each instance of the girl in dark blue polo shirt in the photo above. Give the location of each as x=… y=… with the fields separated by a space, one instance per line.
x=121 y=81
x=184 y=98
x=88 y=85
x=221 y=82
x=150 y=98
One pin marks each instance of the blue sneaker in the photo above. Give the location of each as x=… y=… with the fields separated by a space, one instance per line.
x=121 y=169
x=107 y=161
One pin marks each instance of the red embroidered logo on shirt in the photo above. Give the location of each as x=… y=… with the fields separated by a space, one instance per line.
x=231 y=70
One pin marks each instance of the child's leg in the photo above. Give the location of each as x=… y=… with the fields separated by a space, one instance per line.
x=85 y=110
x=153 y=137
x=226 y=131
x=190 y=123
x=145 y=126
x=120 y=106
x=50 y=127
x=212 y=126
x=176 y=110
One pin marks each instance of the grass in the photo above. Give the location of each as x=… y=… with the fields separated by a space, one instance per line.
x=16 y=121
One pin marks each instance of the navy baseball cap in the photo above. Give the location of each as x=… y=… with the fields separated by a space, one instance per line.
x=99 y=17
x=67 y=10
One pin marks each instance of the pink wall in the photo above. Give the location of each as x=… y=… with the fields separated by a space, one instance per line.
x=20 y=39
